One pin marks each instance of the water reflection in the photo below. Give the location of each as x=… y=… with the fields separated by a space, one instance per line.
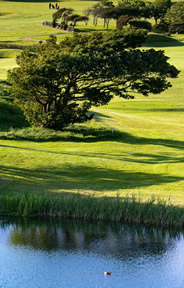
x=100 y=238
x=75 y=254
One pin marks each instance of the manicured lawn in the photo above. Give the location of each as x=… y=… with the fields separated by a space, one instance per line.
x=5 y=65
x=144 y=156
x=25 y=18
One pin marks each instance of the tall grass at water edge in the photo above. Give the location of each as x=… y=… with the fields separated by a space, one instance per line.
x=125 y=210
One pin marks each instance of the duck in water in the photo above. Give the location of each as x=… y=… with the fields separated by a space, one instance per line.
x=107 y=273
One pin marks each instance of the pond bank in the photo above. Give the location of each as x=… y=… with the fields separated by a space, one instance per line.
x=124 y=210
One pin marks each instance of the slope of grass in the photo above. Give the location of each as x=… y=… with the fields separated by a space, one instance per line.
x=143 y=156
x=25 y=18
x=5 y=65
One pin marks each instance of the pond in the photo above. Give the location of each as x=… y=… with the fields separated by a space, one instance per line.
x=73 y=254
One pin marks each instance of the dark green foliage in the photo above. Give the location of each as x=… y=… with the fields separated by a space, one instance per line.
x=72 y=17
x=175 y=14
x=138 y=24
x=122 y=21
x=160 y=8
x=160 y=28
x=11 y=116
x=124 y=210
x=62 y=13
x=57 y=15
x=58 y=84
x=81 y=19
x=176 y=28
x=107 y=3
x=116 y=12
x=4 y=93
x=131 y=3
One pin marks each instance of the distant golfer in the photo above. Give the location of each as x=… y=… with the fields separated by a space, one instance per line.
x=50 y=5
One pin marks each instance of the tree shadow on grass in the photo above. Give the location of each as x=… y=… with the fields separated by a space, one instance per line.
x=91 y=135
x=78 y=178
x=12 y=117
x=156 y=40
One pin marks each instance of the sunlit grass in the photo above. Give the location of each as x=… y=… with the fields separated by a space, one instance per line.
x=5 y=65
x=144 y=155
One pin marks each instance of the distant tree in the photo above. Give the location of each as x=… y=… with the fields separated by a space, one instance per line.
x=62 y=13
x=175 y=14
x=122 y=21
x=176 y=28
x=81 y=19
x=105 y=13
x=94 y=11
x=59 y=83
x=160 y=8
x=107 y=3
x=71 y=18
x=131 y=3
x=147 y=10
x=57 y=15
x=97 y=10
x=138 y=24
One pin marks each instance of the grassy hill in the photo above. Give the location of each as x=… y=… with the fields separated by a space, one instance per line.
x=143 y=156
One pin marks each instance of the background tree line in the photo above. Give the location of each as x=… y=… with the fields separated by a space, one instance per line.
x=168 y=16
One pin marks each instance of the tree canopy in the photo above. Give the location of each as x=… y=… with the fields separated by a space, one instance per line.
x=160 y=8
x=175 y=14
x=59 y=83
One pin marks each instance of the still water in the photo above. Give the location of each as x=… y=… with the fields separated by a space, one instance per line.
x=51 y=254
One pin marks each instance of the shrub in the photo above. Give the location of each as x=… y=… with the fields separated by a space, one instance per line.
x=160 y=28
x=138 y=24
x=177 y=28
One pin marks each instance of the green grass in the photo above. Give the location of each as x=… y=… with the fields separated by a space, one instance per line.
x=126 y=210
x=5 y=65
x=25 y=18
x=143 y=157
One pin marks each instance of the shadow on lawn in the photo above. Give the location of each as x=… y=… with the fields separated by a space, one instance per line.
x=78 y=177
x=156 y=40
x=91 y=135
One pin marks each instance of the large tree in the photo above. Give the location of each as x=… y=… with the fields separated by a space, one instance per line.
x=59 y=83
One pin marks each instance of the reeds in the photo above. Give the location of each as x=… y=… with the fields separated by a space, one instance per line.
x=126 y=210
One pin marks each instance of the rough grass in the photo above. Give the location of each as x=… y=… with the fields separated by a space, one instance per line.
x=126 y=210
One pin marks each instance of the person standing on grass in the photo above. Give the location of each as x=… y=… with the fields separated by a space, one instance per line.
x=50 y=5
x=56 y=5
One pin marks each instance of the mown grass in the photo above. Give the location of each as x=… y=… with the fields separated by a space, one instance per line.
x=25 y=18
x=5 y=65
x=143 y=157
